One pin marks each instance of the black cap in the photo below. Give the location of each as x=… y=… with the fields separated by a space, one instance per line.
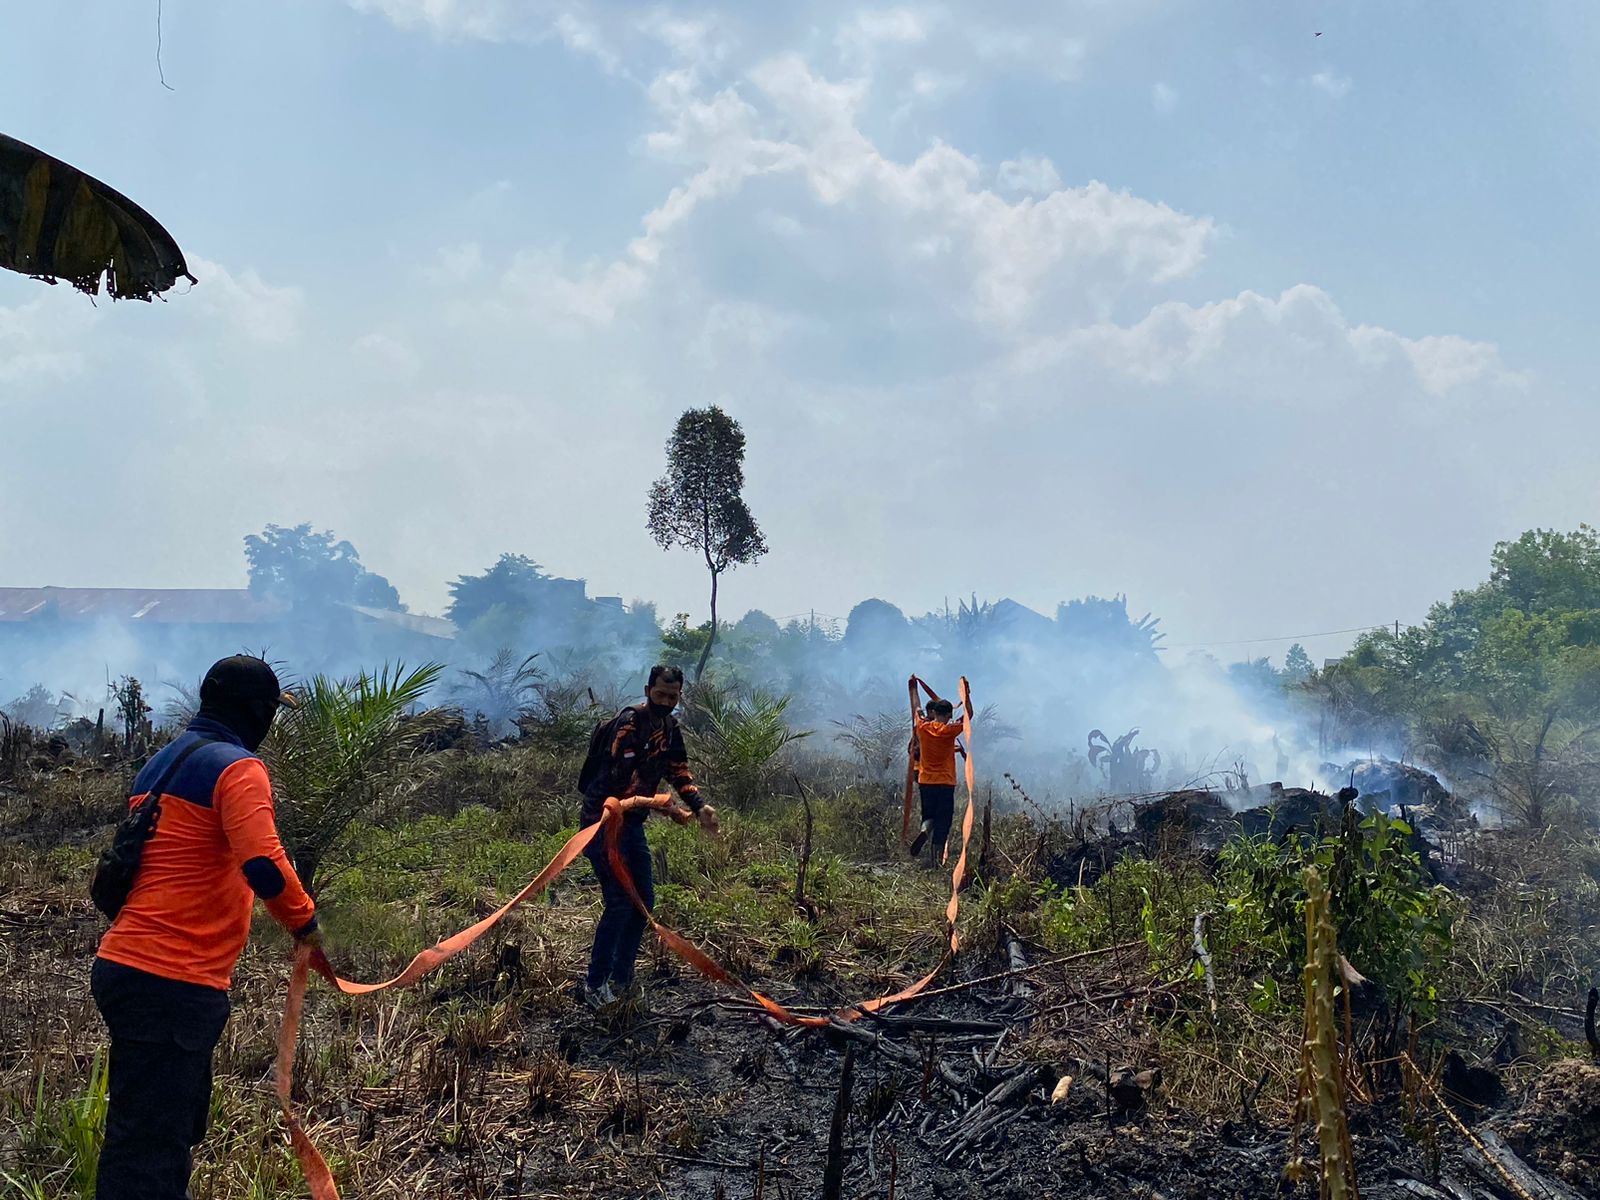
x=244 y=677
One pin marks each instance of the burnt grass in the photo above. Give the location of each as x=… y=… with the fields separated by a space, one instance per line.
x=490 y=1081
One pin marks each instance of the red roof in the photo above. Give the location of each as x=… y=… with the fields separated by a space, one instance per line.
x=150 y=606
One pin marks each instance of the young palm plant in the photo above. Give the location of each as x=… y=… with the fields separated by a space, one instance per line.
x=740 y=738
x=344 y=754
x=878 y=742
x=503 y=691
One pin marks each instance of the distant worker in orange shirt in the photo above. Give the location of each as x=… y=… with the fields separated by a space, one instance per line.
x=163 y=970
x=936 y=747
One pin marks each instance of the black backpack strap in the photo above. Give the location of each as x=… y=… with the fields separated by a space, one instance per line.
x=172 y=767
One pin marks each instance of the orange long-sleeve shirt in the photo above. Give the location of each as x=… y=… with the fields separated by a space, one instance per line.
x=936 y=751
x=215 y=848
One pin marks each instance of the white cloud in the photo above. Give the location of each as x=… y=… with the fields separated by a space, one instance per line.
x=1258 y=349
x=1059 y=56
x=246 y=304
x=1444 y=364
x=893 y=25
x=696 y=40
x=1331 y=83
x=861 y=39
x=387 y=358
x=927 y=88
x=1164 y=98
x=487 y=20
x=40 y=339
x=823 y=273
x=583 y=36
x=930 y=46
x=1031 y=175
x=460 y=263
x=1003 y=263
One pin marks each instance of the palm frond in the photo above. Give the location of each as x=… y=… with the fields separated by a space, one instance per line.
x=341 y=754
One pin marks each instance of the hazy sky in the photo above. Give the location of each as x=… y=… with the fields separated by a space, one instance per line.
x=1275 y=332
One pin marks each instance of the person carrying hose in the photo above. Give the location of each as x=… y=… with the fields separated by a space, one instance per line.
x=935 y=753
x=162 y=972
x=631 y=755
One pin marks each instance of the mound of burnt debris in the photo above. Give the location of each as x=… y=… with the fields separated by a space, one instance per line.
x=1557 y=1126
x=1202 y=820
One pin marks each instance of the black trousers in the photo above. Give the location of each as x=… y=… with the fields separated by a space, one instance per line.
x=163 y=1033
x=939 y=808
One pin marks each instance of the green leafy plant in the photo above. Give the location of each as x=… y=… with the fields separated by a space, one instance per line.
x=878 y=742
x=66 y=1133
x=799 y=947
x=343 y=754
x=741 y=738
x=503 y=691
x=1393 y=926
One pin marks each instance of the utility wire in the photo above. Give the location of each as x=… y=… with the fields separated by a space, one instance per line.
x=1288 y=637
x=1292 y=637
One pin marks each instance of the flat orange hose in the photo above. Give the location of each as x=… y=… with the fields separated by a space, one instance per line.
x=320 y=1178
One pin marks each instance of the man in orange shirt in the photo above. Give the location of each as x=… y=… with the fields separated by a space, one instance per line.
x=936 y=737
x=162 y=973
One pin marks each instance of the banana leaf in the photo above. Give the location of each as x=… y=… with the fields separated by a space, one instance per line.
x=58 y=224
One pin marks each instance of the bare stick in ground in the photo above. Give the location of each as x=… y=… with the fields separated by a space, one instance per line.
x=1203 y=957
x=1588 y=1023
x=805 y=858
x=833 y=1171
x=983 y=853
x=1019 y=964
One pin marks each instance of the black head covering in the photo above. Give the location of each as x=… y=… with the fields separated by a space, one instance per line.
x=243 y=693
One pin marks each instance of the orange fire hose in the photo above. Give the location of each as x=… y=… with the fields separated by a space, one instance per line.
x=911 y=762
x=305 y=961
x=320 y=1178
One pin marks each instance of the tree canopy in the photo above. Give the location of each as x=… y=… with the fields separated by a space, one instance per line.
x=699 y=503
x=1525 y=641
x=513 y=582
x=306 y=569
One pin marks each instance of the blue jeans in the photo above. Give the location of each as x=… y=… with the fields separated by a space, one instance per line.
x=621 y=926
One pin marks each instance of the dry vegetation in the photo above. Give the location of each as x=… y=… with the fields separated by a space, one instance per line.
x=488 y=1081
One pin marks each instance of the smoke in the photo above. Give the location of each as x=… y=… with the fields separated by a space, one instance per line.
x=1052 y=682
x=1042 y=683
x=78 y=661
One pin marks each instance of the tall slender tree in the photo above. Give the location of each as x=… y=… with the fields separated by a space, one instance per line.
x=698 y=504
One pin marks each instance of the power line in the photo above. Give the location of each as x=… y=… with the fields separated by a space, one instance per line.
x=1288 y=637
x=1292 y=637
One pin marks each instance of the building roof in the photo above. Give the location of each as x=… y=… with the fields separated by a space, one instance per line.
x=434 y=627
x=148 y=606
x=179 y=606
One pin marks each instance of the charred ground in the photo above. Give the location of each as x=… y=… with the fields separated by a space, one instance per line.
x=488 y=1081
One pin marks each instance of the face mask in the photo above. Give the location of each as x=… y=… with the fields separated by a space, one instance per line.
x=659 y=710
x=249 y=719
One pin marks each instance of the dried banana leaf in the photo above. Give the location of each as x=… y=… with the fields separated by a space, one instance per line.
x=58 y=224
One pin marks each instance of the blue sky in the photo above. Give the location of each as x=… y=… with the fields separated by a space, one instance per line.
x=1275 y=332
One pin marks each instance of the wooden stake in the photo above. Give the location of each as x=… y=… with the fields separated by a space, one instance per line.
x=833 y=1171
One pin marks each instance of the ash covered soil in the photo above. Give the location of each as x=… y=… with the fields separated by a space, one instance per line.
x=490 y=1081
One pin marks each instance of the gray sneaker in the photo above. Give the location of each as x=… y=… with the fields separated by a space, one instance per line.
x=598 y=997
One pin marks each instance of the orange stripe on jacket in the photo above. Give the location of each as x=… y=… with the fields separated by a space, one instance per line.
x=188 y=916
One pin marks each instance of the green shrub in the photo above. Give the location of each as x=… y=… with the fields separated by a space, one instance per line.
x=1392 y=925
